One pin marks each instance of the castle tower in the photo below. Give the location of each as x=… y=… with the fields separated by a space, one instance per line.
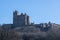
x=15 y=18
x=20 y=20
x=28 y=22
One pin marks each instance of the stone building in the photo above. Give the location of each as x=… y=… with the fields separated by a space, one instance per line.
x=20 y=20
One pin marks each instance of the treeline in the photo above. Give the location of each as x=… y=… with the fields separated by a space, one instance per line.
x=12 y=35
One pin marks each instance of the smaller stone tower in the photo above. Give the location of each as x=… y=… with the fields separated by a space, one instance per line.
x=15 y=18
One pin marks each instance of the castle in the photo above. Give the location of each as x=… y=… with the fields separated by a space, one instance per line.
x=20 y=20
x=23 y=20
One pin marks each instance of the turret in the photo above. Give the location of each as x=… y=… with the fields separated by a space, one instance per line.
x=15 y=13
x=15 y=17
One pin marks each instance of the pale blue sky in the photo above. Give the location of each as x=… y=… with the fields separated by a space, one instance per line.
x=38 y=10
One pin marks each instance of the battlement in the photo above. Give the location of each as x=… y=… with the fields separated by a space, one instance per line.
x=16 y=13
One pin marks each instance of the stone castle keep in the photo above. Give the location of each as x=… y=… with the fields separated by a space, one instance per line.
x=20 y=20
x=23 y=20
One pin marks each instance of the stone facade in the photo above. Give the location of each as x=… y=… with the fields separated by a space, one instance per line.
x=20 y=20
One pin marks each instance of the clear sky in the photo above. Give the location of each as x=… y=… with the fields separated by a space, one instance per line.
x=40 y=11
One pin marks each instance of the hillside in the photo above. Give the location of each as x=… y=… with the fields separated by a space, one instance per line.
x=31 y=33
